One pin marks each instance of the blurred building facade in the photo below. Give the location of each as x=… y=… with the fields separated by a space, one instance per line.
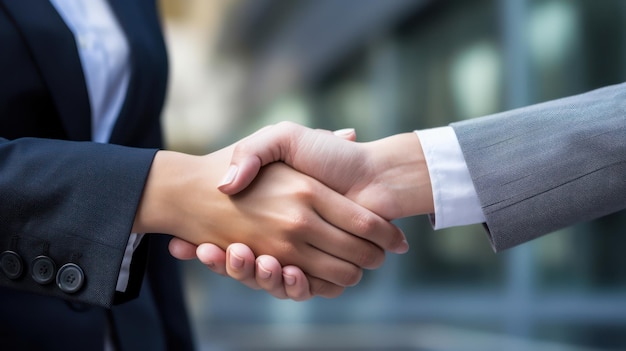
x=391 y=66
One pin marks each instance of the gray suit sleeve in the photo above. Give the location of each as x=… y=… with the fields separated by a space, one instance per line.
x=545 y=167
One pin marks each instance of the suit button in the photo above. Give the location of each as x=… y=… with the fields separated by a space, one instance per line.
x=11 y=263
x=42 y=270
x=70 y=278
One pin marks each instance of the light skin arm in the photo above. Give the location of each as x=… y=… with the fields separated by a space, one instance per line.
x=388 y=176
x=285 y=214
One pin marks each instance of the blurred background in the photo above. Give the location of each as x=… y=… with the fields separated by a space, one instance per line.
x=390 y=66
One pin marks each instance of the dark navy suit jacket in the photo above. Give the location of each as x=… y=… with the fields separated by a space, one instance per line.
x=73 y=201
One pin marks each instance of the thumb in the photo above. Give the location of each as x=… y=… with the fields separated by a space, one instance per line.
x=270 y=144
x=240 y=174
x=181 y=249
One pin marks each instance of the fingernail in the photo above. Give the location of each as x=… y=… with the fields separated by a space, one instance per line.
x=230 y=175
x=403 y=247
x=344 y=132
x=236 y=261
x=289 y=279
x=263 y=273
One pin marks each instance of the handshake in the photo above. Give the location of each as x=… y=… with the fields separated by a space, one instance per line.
x=292 y=210
x=314 y=221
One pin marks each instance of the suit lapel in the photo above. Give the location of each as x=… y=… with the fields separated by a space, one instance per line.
x=125 y=11
x=54 y=50
x=146 y=87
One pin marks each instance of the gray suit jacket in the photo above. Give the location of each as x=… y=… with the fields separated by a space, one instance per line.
x=547 y=166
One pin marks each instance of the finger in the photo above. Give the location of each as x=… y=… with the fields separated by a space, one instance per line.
x=324 y=251
x=370 y=232
x=322 y=288
x=213 y=257
x=181 y=249
x=269 y=276
x=250 y=154
x=240 y=174
x=364 y=223
x=332 y=254
x=289 y=281
x=296 y=284
x=321 y=263
x=241 y=265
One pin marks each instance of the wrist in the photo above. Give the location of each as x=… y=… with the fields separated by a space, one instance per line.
x=401 y=164
x=181 y=197
x=162 y=201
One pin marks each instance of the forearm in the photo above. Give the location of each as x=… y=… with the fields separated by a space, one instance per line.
x=160 y=209
x=179 y=187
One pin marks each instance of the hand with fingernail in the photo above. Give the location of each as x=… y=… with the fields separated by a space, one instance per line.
x=376 y=175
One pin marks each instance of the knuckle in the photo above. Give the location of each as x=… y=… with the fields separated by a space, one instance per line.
x=286 y=125
x=364 y=224
x=352 y=276
x=371 y=258
x=286 y=249
x=299 y=221
x=243 y=148
x=283 y=124
x=306 y=189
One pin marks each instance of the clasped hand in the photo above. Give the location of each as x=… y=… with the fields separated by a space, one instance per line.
x=311 y=240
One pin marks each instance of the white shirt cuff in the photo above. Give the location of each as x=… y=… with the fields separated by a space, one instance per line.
x=122 y=278
x=455 y=199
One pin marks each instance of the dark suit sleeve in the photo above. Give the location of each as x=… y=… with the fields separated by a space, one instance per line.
x=71 y=202
x=545 y=167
